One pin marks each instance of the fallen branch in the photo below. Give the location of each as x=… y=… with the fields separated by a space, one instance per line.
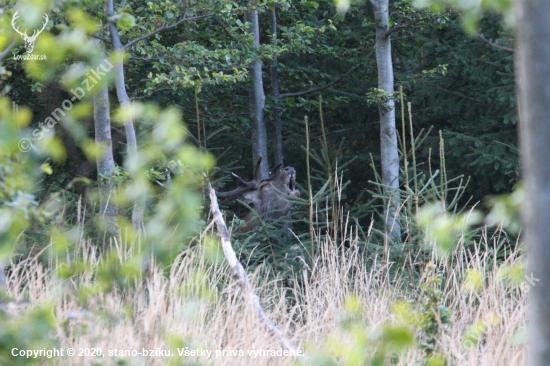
x=240 y=274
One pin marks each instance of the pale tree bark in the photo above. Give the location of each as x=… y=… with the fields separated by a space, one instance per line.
x=257 y=101
x=388 y=135
x=124 y=101
x=105 y=163
x=533 y=79
x=277 y=124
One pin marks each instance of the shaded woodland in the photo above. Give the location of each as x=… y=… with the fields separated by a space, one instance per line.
x=340 y=178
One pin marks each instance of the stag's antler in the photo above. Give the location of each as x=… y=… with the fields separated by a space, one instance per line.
x=253 y=184
x=36 y=33
x=246 y=186
x=15 y=16
x=276 y=169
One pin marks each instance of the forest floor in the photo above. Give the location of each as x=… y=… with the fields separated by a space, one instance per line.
x=196 y=304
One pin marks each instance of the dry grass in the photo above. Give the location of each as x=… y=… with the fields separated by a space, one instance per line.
x=198 y=303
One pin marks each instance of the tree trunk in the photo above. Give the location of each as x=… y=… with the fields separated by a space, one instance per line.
x=105 y=163
x=257 y=102
x=388 y=136
x=124 y=101
x=277 y=124
x=533 y=78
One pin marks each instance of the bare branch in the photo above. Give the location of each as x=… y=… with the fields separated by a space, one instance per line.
x=166 y=27
x=334 y=132
x=145 y=96
x=100 y=38
x=492 y=44
x=399 y=27
x=144 y=58
x=404 y=26
x=239 y=272
x=225 y=27
x=7 y=51
x=458 y=94
x=322 y=87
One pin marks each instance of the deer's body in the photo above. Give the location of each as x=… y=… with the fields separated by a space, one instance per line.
x=269 y=198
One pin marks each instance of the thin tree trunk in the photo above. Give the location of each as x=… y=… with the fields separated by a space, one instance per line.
x=277 y=124
x=105 y=163
x=124 y=101
x=533 y=79
x=257 y=102
x=388 y=136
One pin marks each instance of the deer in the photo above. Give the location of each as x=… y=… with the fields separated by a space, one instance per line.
x=29 y=41
x=270 y=198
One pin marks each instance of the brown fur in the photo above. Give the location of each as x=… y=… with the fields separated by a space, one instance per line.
x=269 y=198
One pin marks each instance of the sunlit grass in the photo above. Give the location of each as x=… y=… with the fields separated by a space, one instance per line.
x=196 y=304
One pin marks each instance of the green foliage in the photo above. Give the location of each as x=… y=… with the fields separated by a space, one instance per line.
x=25 y=208
x=379 y=96
x=356 y=344
x=473 y=10
x=443 y=228
x=505 y=210
x=458 y=84
x=434 y=314
x=119 y=176
x=26 y=332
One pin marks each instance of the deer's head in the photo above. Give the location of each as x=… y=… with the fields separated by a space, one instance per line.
x=29 y=40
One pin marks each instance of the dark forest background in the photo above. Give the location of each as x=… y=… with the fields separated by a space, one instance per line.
x=456 y=83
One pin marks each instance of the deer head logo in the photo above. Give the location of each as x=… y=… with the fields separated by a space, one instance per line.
x=29 y=41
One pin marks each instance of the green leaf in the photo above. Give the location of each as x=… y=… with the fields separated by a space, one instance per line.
x=46 y=168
